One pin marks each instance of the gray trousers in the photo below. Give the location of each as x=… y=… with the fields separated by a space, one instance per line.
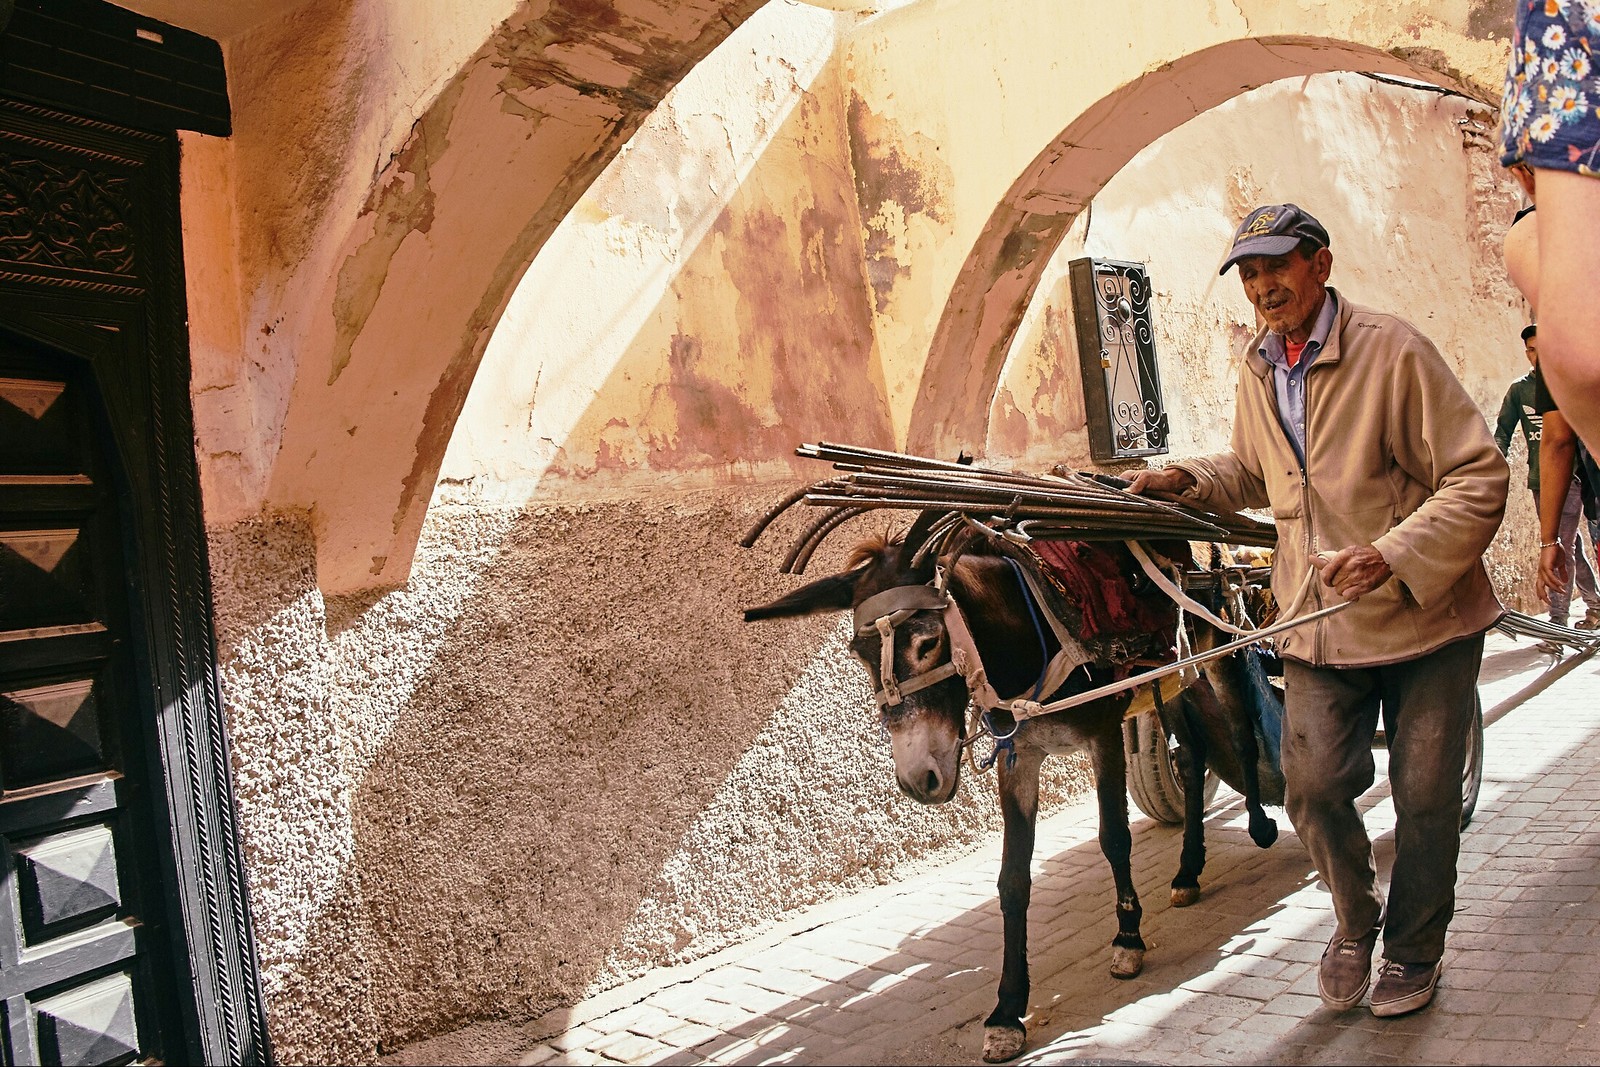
x=1330 y=719
x=1579 y=574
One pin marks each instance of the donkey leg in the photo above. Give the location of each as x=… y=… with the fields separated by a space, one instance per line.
x=1263 y=827
x=1226 y=701
x=1116 y=842
x=1191 y=756
x=1003 y=1031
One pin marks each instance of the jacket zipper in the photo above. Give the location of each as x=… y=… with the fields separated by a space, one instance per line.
x=1318 y=655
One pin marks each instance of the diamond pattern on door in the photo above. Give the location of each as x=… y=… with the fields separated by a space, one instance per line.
x=69 y=876
x=94 y=1023
x=31 y=398
x=79 y=978
x=50 y=731
x=44 y=579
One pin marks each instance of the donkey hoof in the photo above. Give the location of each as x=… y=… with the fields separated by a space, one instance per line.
x=1183 y=896
x=1001 y=1043
x=1126 y=962
x=1263 y=831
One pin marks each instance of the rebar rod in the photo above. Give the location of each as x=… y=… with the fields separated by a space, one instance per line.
x=1059 y=505
x=772 y=513
x=1147 y=526
x=803 y=549
x=1103 y=489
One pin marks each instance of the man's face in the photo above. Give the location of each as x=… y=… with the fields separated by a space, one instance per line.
x=1531 y=348
x=1287 y=289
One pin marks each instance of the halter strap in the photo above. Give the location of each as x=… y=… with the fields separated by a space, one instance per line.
x=901 y=598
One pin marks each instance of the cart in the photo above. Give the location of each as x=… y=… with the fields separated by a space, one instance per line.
x=1157 y=788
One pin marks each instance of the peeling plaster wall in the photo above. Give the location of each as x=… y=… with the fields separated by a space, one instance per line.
x=321 y=94
x=395 y=167
x=701 y=305
x=1408 y=184
x=1023 y=89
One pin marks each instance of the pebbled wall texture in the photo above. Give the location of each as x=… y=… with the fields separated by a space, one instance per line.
x=557 y=759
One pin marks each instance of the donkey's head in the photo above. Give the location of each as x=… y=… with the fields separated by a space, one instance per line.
x=901 y=639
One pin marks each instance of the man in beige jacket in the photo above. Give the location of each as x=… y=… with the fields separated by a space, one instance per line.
x=1387 y=488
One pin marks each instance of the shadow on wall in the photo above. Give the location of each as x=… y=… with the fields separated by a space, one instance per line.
x=587 y=704
x=591 y=781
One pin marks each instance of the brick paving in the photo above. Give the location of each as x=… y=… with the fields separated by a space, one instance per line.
x=905 y=974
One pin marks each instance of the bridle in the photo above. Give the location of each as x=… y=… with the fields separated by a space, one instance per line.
x=881 y=613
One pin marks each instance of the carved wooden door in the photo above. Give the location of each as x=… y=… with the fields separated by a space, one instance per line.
x=124 y=934
x=124 y=926
x=81 y=959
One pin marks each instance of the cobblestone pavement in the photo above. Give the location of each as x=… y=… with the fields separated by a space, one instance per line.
x=906 y=973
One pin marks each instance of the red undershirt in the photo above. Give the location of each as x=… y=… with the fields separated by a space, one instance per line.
x=1292 y=351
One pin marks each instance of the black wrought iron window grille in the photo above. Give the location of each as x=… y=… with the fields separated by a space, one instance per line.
x=1127 y=417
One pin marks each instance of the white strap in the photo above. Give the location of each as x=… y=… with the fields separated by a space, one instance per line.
x=1177 y=666
x=1178 y=596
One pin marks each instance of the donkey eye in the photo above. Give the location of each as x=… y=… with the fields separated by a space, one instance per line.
x=925 y=646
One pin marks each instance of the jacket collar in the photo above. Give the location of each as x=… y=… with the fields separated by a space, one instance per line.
x=1329 y=353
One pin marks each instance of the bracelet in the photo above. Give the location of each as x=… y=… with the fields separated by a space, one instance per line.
x=1548 y=544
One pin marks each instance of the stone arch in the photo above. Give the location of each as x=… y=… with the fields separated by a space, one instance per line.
x=997 y=280
x=398 y=326
x=398 y=323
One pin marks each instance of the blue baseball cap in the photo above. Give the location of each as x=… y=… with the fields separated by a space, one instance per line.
x=1274 y=230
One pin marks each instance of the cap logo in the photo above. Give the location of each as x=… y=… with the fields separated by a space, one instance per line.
x=1259 y=225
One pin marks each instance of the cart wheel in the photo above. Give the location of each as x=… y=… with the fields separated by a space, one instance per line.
x=1472 y=776
x=1153 y=778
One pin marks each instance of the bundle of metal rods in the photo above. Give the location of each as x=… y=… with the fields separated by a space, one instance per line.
x=1516 y=624
x=1069 y=506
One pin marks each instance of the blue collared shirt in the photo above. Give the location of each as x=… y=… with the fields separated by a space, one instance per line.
x=1289 y=383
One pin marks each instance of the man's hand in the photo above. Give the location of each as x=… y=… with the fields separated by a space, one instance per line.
x=1353 y=572
x=1161 y=479
x=1555 y=570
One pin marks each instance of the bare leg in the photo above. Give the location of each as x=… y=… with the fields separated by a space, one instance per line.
x=1569 y=315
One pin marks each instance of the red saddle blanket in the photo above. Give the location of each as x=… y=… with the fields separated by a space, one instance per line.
x=1109 y=592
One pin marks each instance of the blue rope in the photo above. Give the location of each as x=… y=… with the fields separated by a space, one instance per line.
x=1009 y=744
x=1038 y=629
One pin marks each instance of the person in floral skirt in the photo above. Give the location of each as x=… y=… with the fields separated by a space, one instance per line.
x=1550 y=132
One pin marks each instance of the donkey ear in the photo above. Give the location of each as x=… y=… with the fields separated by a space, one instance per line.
x=836 y=593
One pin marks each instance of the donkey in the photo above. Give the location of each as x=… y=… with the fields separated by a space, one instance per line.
x=903 y=639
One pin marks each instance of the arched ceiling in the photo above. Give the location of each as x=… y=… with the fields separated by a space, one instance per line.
x=489 y=169
x=396 y=329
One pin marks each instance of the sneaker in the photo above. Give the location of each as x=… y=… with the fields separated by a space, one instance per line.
x=1404 y=987
x=1346 y=969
